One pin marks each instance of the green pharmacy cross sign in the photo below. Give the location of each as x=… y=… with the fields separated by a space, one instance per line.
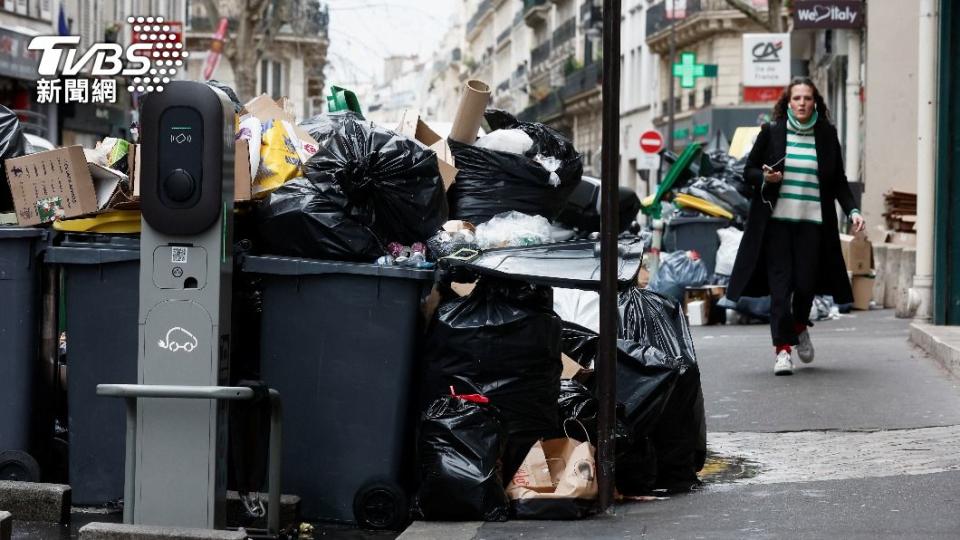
x=688 y=70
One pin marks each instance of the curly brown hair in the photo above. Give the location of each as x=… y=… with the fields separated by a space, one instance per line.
x=780 y=108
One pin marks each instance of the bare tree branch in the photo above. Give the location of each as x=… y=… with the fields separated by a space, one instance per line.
x=753 y=14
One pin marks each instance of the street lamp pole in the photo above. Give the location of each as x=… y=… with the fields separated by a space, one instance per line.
x=606 y=365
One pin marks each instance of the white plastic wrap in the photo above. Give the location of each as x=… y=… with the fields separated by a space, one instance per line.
x=514 y=229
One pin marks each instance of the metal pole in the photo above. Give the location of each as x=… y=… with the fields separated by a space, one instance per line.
x=671 y=104
x=606 y=366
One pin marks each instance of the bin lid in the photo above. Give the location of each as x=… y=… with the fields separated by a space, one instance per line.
x=76 y=254
x=21 y=232
x=294 y=266
x=571 y=265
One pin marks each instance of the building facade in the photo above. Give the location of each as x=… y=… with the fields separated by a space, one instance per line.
x=710 y=111
x=292 y=66
x=639 y=89
x=19 y=23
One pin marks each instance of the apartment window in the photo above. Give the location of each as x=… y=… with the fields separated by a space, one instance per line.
x=707 y=96
x=692 y=100
x=678 y=103
x=271 y=78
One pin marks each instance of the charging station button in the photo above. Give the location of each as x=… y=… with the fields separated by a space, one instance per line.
x=179 y=185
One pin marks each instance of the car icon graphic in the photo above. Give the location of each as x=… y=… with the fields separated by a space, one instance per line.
x=185 y=341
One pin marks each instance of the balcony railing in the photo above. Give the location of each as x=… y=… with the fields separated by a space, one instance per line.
x=503 y=86
x=582 y=80
x=540 y=53
x=565 y=32
x=549 y=107
x=503 y=36
x=482 y=10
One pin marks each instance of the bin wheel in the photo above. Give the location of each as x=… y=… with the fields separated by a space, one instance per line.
x=381 y=505
x=18 y=466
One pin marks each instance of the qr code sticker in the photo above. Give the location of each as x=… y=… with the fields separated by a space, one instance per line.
x=178 y=255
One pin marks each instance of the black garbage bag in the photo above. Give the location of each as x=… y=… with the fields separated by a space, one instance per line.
x=492 y=182
x=237 y=106
x=459 y=448
x=12 y=144
x=391 y=183
x=582 y=209
x=323 y=126
x=680 y=435
x=578 y=403
x=679 y=270
x=316 y=220
x=501 y=341
x=645 y=380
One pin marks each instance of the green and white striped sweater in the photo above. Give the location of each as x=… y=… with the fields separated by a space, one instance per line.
x=800 y=193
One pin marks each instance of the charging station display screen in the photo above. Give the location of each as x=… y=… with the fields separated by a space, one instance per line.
x=180 y=163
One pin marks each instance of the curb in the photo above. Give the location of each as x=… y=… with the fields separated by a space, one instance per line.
x=938 y=342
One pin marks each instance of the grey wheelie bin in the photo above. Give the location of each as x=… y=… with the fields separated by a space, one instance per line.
x=338 y=342
x=101 y=295
x=19 y=348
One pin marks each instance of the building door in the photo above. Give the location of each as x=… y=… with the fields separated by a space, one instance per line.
x=946 y=293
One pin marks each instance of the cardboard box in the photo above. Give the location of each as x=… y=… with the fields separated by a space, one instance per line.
x=857 y=253
x=862 y=291
x=266 y=109
x=411 y=125
x=242 y=180
x=58 y=184
x=570 y=367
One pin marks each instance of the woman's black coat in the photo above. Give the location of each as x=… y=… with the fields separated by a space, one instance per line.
x=750 y=272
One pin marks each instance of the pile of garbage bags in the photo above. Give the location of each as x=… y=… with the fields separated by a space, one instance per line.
x=364 y=188
x=533 y=175
x=368 y=187
x=502 y=345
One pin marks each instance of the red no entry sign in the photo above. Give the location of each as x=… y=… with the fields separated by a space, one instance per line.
x=651 y=142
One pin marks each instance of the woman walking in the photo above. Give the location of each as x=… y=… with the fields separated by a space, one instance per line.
x=791 y=246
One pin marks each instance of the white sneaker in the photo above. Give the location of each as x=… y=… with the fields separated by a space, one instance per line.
x=784 y=365
x=805 y=347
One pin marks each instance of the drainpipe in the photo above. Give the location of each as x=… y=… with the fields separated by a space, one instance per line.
x=852 y=159
x=921 y=294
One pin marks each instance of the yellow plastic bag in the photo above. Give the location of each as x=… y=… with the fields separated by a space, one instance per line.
x=279 y=160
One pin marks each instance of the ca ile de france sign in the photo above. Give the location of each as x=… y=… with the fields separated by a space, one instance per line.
x=822 y=14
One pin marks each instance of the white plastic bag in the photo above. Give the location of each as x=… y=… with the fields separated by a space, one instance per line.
x=730 y=238
x=514 y=141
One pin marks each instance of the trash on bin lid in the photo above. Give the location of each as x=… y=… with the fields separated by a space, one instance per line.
x=573 y=265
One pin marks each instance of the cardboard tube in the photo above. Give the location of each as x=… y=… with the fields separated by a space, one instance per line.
x=473 y=101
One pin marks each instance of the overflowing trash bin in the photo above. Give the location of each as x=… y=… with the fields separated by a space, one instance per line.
x=101 y=276
x=339 y=342
x=19 y=351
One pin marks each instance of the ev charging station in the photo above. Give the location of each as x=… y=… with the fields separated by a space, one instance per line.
x=176 y=471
